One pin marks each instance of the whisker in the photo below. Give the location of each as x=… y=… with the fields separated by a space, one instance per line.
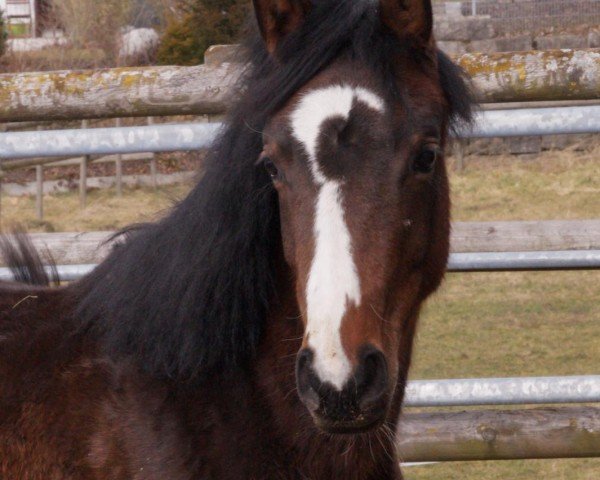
x=293 y=339
x=379 y=315
x=292 y=391
x=251 y=128
x=371 y=448
x=283 y=357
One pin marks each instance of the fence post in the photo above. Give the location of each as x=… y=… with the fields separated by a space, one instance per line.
x=119 y=166
x=83 y=174
x=39 y=194
x=39 y=198
x=459 y=150
x=153 y=167
x=3 y=128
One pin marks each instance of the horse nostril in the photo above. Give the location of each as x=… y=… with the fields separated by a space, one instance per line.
x=307 y=382
x=372 y=378
x=305 y=359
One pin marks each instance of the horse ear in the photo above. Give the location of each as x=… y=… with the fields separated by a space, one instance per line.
x=409 y=18
x=278 y=18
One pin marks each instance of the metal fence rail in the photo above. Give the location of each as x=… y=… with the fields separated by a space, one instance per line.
x=523 y=261
x=193 y=136
x=458 y=262
x=66 y=273
x=536 y=121
x=503 y=391
x=106 y=141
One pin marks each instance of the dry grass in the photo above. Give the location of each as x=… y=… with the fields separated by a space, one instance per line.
x=586 y=469
x=516 y=324
x=105 y=211
x=89 y=23
x=556 y=185
x=511 y=324
x=479 y=325
x=54 y=58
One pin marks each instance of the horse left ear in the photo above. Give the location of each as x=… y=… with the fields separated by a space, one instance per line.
x=409 y=18
x=278 y=18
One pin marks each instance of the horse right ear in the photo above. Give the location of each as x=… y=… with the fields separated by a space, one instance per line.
x=278 y=18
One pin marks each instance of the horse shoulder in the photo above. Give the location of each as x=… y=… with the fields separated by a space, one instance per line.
x=49 y=385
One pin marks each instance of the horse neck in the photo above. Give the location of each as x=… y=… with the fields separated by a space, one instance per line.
x=329 y=456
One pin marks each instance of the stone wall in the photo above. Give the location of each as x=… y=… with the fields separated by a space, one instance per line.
x=458 y=33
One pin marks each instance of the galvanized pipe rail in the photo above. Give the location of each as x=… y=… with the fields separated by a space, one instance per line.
x=194 y=136
x=458 y=262
x=503 y=391
x=535 y=121
x=107 y=141
x=524 y=261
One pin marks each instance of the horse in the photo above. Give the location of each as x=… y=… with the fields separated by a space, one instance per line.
x=263 y=328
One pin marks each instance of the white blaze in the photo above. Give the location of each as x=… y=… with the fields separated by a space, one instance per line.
x=333 y=280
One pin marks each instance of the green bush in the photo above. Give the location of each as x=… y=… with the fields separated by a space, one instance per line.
x=3 y=34
x=202 y=23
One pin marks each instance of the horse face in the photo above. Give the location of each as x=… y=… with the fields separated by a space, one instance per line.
x=364 y=216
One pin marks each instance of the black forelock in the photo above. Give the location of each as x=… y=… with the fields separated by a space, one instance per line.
x=190 y=293
x=337 y=28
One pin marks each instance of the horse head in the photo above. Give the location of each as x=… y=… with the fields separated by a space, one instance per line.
x=356 y=156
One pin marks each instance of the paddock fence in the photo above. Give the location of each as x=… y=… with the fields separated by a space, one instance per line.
x=516 y=433
x=545 y=78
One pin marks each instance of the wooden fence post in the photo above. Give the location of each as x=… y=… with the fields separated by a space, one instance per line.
x=459 y=150
x=119 y=166
x=83 y=174
x=39 y=197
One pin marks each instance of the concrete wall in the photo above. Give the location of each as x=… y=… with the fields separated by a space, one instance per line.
x=458 y=33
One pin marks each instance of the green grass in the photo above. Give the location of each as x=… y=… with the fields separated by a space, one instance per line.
x=478 y=325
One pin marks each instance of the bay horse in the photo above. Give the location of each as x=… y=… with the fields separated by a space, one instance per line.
x=263 y=329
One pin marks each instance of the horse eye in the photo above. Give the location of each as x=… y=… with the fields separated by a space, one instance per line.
x=426 y=159
x=271 y=168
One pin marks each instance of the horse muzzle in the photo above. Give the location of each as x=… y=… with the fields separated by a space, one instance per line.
x=361 y=405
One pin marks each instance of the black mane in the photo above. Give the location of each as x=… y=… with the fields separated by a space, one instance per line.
x=25 y=262
x=191 y=293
